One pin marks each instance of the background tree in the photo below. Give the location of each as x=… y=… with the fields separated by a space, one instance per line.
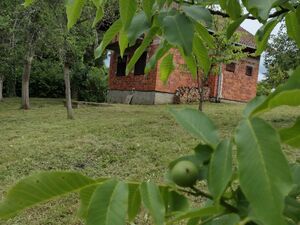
x=33 y=29
x=8 y=25
x=281 y=57
x=46 y=74
x=223 y=51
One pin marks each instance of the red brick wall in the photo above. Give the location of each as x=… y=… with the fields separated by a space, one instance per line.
x=238 y=86
x=131 y=82
x=180 y=77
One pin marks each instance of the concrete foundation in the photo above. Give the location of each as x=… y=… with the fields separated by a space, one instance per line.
x=140 y=97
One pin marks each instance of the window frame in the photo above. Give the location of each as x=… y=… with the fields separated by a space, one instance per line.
x=142 y=61
x=230 y=66
x=123 y=70
x=249 y=71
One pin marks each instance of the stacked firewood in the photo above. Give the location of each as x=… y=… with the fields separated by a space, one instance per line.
x=185 y=95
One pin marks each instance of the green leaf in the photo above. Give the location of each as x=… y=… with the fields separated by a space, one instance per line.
x=127 y=11
x=85 y=198
x=166 y=67
x=160 y=52
x=235 y=25
x=177 y=202
x=291 y=136
x=292 y=209
x=285 y=94
x=40 y=188
x=160 y=3
x=194 y=221
x=292 y=22
x=134 y=201
x=138 y=26
x=260 y=9
x=109 y=204
x=198 y=124
x=253 y=104
x=204 y=35
x=202 y=54
x=199 y=14
x=74 y=9
x=203 y=153
x=99 y=3
x=123 y=42
x=196 y=213
x=263 y=34
x=264 y=173
x=296 y=174
x=179 y=31
x=148 y=8
x=220 y=169
x=99 y=16
x=190 y=63
x=141 y=49
x=153 y=201
x=28 y=2
x=108 y=37
x=228 y=219
x=232 y=7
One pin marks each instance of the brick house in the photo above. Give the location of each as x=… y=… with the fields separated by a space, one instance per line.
x=237 y=82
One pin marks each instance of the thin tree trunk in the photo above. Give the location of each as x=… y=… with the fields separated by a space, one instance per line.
x=1 y=88
x=200 y=83
x=70 y=112
x=25 y=82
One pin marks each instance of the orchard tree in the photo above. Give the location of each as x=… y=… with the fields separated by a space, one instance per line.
x=4 y=21
x=223 y=49
x=8 y=25
x=32 y=30
x=261 y=188
x=281 y=57
x=72 y=45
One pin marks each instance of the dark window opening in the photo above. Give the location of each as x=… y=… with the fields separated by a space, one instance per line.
x=140 y=65
x=121 y=66
x=230 y=67
x=249 y=70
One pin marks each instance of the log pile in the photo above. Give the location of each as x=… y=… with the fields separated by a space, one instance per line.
x=184 y=95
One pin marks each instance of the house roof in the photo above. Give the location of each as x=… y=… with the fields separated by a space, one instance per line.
x=247 y=38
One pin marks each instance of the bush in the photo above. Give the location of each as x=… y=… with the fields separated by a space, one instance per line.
x=47 y=81
x=90 y=84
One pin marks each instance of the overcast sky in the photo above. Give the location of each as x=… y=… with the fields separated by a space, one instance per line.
x=252 y=26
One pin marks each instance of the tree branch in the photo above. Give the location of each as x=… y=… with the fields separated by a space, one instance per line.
x=225 y=15
x=208 y=196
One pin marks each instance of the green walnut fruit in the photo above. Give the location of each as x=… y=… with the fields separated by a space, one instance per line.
x=184 y=173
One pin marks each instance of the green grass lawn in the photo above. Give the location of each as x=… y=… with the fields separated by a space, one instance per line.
x=129 y=142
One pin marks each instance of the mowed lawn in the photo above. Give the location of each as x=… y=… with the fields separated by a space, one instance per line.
x=124 y=141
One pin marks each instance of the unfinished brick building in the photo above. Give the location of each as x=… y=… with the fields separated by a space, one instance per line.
x=237 y=82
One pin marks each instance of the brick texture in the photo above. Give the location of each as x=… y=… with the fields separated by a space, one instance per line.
x=238 y=86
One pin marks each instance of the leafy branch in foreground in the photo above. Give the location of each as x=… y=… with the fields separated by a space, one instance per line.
x=262 y=189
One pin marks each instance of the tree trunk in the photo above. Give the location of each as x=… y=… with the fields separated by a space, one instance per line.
x=25 y=82
x=200 y=82
x=1 y=88
x=70 y=112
